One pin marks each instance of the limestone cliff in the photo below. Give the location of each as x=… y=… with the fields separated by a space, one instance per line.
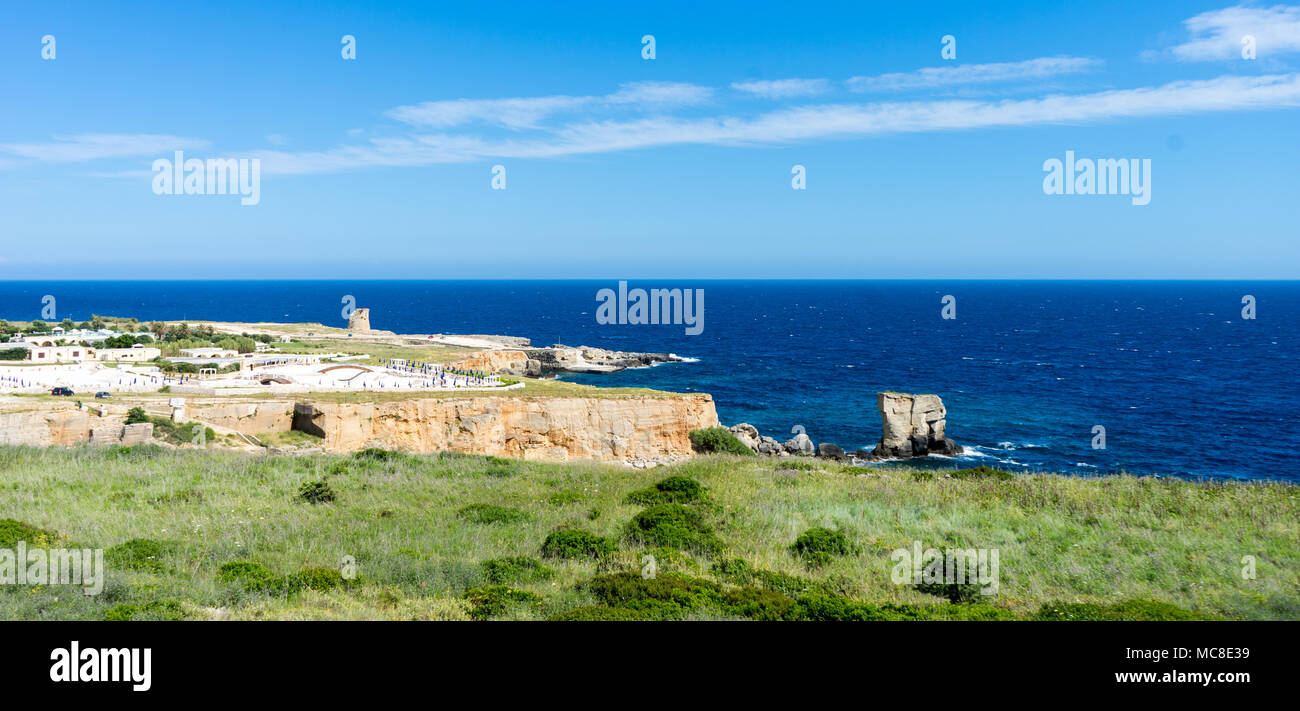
x=45 y=428
x=631 y=429
x=247 y=417
x=501 y=362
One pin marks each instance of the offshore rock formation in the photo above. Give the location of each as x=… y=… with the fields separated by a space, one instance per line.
x=640 y=429
x=912 y=426
x=566 y=359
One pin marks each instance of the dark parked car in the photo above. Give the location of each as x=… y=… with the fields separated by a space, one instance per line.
x=103 y=394
x=65 y=392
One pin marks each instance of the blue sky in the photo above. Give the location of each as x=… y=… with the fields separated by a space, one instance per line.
x=622 y=167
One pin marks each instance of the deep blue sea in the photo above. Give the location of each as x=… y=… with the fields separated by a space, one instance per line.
x=1182 y=384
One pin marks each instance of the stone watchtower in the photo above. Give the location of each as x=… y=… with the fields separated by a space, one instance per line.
x=359 y=320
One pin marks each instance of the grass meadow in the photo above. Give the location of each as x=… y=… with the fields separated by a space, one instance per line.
x=200 y=535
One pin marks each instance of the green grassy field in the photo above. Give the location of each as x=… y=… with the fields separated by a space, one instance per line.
x=221 y=535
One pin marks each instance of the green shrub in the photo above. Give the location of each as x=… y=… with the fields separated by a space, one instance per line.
x=250 y=574
x=316 y=492
x=167 y=610
x=136 y=415
x=12 y=531
x=954 y=592
x=718 y=440
x=14 y=354
x=562 y=498
x=374 y=454
x=491 y=514
x=981 y=473
x=673 y=490
x=140 y=554
x=674 y=526
x=1138 y=610
x=601 y=613
x=818 y=546
x=576 y=543
x=738 y=571
x=519 y=569
x=494 y=600
x=311 y=578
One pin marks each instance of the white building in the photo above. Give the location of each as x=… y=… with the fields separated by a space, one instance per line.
x=209 y=353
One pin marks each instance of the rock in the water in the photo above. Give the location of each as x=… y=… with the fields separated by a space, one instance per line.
x=912 y=426
x=830 y=451
x=799 y=444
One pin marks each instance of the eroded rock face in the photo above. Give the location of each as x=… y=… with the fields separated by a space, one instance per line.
x=43 y=429
x=247 y=417
x=912 y=426
x=498 y=362
x=543 y=429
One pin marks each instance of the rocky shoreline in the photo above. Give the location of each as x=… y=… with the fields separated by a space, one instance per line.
x=911 y=426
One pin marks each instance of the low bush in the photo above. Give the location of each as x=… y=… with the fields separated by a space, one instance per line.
x=819 y=546
x=140 y=554
x=136 y=415
x=250 y=574
x=674 y=526
x=1134 y=610
x=718 y=440
x=673 y=490
x=576 y=543
x=494 y=600
x=316 y=492
x=12 y=531
x=519 y=569
x=165 y=610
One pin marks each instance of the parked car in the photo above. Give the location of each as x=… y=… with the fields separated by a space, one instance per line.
x=64 y=392
x=103 y=394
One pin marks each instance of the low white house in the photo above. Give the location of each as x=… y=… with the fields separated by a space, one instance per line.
x=137 y=353
x=41 y=353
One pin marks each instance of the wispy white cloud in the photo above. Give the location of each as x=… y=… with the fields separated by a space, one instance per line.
x=783 y=88
x=959 y=74
x=1218 y=34
x=528 y=112
x=94 y=146
x=805 y=123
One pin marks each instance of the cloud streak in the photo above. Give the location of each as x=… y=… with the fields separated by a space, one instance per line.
x=807 y=123
x=783 y=88
x=529 y=112
x=95 y=146
x=1217 y=34
x=960 y=74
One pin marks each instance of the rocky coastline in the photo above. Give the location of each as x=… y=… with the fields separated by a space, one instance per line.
x=911 y=426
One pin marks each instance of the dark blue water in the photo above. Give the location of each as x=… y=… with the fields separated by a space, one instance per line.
x=1181 y=382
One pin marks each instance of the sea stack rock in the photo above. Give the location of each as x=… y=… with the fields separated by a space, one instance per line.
x=359 y=321
x=913 y=426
